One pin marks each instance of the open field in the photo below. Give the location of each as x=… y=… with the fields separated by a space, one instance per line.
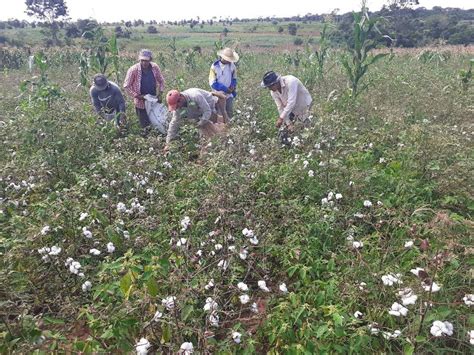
x=373 y=188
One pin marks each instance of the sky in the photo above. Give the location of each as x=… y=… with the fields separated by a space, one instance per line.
x=116 y=10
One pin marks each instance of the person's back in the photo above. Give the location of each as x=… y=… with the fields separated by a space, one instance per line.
x=109 y=99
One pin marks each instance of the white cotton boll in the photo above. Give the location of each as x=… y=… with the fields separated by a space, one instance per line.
x=367 y=203
x=149 y=191
x=44 y=250
x=167 y=165
x=181 y=242
x=283 y=288
x=357 y=245
x=218 y=246
x=45 y=230
x=214 y=320
x=87 y=233
x=394 y=335
x=55 y=250
x=431 y=287
x=350 y=238
x=330 y=196
x=358 y=314
x=74 y=267
x=142 y=346
x=223 y=264
x=471 y=337
x=263 y=286
x=231 y=248
x=210 y=305
x=338 y=196
x=157 y=316
x=390 y=279
x=408 y=297
x=409 y=244
x=379 y=203
x=253 y=241
x=362 y=286
x=121 y=207
x=254 y=308
x=382 y=160
x=305 y=164
x=324 y=201
x=168 y=302
x=236 y=336
x=94 y=251
x=310 y=173
x=242 y=286
x=247 y=232
x=185 y=222
x=243 y=254
x=209 y=285
x=110 y=247
x=244 y=299
x=468 y=299
x=416 y=271
x=83 y=216
x=398 y=310
x=86 y=286
x=199 y=253
x=439 y=328
x=373 y=328
x=126 y=234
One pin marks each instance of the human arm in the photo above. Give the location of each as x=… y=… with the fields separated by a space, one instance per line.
x=173 y=128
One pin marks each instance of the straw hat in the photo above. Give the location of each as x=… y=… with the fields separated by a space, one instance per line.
x=229 y=55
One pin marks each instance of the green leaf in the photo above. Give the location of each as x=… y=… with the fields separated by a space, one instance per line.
x=165 y=334
x=152 y=287
x=187 y=311
x=126 y=284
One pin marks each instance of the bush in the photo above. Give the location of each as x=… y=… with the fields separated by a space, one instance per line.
x=298 y=41
x=152 y=29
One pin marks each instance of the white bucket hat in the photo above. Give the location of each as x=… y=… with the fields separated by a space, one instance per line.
x=228 y=54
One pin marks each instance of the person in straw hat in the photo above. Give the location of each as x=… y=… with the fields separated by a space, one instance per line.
x=223 y=77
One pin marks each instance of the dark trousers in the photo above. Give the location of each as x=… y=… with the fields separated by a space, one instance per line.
x=142 y=117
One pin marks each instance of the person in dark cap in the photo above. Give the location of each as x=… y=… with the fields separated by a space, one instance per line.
x=144 y=78
x=108 y=100
x=292 y=99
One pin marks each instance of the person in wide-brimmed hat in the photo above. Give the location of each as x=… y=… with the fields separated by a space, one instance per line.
x=144 y=78
x=292 y=99
x=223 y=77
x=108 y=100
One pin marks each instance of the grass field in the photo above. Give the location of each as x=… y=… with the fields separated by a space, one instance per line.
x=336 y=226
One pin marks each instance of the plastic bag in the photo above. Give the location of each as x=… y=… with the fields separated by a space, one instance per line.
x=157 y=113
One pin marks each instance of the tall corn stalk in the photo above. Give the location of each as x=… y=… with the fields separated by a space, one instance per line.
x=358 y=60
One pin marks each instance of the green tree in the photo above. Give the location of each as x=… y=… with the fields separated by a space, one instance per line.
x=50 y=11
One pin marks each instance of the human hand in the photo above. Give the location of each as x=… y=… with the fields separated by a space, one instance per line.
x=279 y=122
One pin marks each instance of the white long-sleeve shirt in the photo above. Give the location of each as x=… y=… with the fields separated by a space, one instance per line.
x=294 y=98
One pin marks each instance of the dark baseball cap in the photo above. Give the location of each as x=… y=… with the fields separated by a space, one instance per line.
x=100 y=82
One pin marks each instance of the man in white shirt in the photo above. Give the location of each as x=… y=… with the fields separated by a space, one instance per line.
x=291 y=97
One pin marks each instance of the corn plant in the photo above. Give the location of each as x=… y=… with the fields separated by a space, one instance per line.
x=41 y=91
x=358 y=60
x=466 y=76
x=100 y=54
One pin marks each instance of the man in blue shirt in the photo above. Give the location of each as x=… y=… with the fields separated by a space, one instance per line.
x=108 y=100
x=223 y=78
